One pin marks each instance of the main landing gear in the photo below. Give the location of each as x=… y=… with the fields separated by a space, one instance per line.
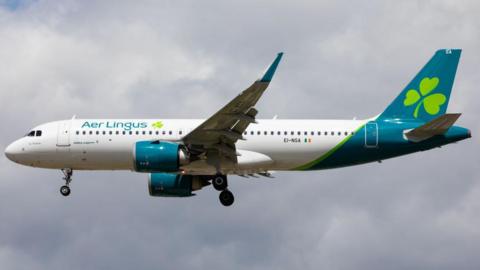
x=65 y=190
x=220 y=183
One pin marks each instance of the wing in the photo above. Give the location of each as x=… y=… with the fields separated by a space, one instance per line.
x=216 y=137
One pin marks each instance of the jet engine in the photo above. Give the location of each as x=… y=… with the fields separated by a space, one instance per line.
x=158 y=156
x=174 y=185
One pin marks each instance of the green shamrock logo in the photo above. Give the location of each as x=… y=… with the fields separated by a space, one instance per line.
x=431 y=102
x=157 y=124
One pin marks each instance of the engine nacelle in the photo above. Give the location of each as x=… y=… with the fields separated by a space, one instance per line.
x=174 y=185
x=157 y=156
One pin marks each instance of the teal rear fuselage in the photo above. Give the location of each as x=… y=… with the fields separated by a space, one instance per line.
x=386 y=141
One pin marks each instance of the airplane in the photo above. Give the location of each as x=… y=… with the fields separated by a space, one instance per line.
x=181 y=156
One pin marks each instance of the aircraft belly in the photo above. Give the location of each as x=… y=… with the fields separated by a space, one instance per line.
x=288 y=154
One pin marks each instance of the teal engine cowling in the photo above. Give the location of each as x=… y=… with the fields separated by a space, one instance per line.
x=158 y=156
x=174 y=185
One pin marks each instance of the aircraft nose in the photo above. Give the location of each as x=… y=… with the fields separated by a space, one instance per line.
x=11 y=151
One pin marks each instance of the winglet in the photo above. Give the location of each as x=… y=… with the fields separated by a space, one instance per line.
x=267 y=77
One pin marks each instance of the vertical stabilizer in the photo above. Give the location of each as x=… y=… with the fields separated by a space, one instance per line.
x=426 y=96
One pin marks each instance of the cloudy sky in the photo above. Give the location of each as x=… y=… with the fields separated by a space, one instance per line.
x=185 y=59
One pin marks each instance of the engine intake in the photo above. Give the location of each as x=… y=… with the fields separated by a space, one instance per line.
x=158 y=156
x=174 y=185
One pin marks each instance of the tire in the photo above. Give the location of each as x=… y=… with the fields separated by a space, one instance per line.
x=65 y=190
x=219 y=182
x=226 y=198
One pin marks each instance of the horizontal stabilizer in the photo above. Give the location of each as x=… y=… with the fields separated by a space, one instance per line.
x=437 y=126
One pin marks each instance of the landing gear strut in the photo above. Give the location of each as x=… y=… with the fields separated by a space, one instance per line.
x=220 y=183
x=65 y=190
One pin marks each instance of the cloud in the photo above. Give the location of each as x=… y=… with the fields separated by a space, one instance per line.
x=186 y=59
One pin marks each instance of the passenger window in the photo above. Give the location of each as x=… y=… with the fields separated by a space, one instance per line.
x=326 y=133
x=312 y=133
x=180 y=132
x=259 y=132
x=110 y=132
x=90 y=132
x=285 y=133
x=84 y=132
x=346 y=133
x=339 y=133
x=305 y=133
x=130 y=132
x=319 y=133
x=169 y=132
x=252 y=133
x=78 y=132
x=150 y=132
x=143 y=132
x=117 y=132
x=265 y=133
x=156 y=132
x=299 y=133
x=272 y=133
x=97 y=132
x=279 y=133
x=136 y=132
x=104 y=132
x=123 y=132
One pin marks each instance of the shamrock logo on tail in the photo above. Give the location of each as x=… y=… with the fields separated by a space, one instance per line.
x=157 y=124
x=431 y=102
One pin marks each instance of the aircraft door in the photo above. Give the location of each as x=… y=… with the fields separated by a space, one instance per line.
x=63 y=133
x=371 y=135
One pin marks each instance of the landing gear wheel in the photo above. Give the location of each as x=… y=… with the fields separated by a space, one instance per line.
x=226 y=197
x=65 y=190
x=220 y=182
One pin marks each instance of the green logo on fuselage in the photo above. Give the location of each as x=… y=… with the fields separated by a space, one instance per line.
x=157 y=124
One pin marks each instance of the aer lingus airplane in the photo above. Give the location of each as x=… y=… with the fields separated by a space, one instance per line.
x=184 y=155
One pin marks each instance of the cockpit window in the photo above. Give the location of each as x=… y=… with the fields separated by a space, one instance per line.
x=31 y=133
x=38 y=133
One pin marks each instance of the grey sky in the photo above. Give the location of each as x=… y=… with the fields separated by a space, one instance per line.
x=185 y=59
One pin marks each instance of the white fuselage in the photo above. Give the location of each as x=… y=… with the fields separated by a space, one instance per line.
x=107 y=144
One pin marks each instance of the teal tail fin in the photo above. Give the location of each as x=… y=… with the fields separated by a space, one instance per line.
x=426 y=96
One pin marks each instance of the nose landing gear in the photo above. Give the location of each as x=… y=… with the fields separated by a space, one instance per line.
x=220 y=183
x=65 y=190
